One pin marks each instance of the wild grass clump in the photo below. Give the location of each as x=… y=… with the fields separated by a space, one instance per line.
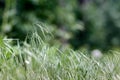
x=39 y=61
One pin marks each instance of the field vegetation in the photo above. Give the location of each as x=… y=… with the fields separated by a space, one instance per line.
x=37 y=60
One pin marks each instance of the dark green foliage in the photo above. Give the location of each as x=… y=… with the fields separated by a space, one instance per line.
x=91 y=23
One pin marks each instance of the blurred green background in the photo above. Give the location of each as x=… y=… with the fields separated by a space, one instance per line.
x=90 y=24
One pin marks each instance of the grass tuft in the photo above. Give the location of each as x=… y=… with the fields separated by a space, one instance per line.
x=39 y=61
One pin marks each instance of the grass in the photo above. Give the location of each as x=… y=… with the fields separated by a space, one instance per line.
x=39 y=61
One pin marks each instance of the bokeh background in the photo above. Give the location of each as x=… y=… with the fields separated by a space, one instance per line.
x=89 y=24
